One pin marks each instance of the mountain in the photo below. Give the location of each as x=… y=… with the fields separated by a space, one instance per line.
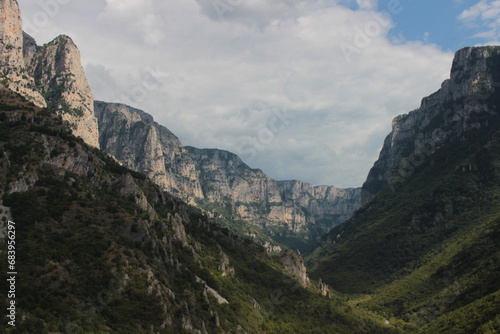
x=12 y=62
x=59 y=76
x=100 y=248
x=141 y=144
x=96 y=247
x=292 y=213
x=424 y=248
x=49 y=76
x=466 y=101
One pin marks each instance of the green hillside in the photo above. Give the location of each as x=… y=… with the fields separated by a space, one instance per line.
x=427 y=253
x=100 y=249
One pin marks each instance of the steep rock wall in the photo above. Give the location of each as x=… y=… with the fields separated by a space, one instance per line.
x=466 y=101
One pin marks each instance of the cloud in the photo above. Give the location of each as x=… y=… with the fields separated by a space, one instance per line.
x=268 y=80
x=485 y=16
x=133 y=17
x=367 y=4
x=256 y=13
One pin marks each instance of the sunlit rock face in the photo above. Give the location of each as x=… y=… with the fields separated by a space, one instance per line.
x=59 y=75
x=49 y=76
x=218 y=176
x=13 y=69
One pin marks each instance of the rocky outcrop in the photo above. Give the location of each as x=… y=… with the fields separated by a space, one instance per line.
x=143 y=145
x=59 y=75
x=323 y=288
x=294 y=264
x=29 y=49
x=13 y=72
x=212 y=291
x=50 y=76
x=466 y=101
x=179 y=230
x=293 y=205
x=127 y=187
x=225 y=266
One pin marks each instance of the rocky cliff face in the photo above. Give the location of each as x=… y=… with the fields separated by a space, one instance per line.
x=29 y=48
x=293 y=205
x=294 y=264
x=214 y=176
x=59 y=75
x=464 y=102
x=49 y=76
x=52 y=76
x=13 y=72
x=326 y=204
x=141 y=144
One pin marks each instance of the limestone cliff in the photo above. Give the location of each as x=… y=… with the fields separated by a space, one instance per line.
x=281 y=208
x=50 y=76
x=141 y=144
x=59 y=75
x=464 y=102
x=29 y=49
x=257 y=198
x=294 y=264
x=329 y=206
x=13 y=71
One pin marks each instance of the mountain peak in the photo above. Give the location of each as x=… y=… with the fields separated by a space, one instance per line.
x=12 y=63
x=59 y=75
x=465 y=101
x=50 y=76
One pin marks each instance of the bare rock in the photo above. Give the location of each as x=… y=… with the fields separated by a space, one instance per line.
x=462 y=104
x=13 y=70
x=224 y=266
x=59 y=75
x=294 y=264
x=141 y=144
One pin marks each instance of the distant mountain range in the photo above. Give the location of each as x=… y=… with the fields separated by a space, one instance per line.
x=291 y=213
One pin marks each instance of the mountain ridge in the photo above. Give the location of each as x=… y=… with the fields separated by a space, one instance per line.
x=472 y=83
x=103 y=249
x=52 y=76
x=297 y=212
x=423 y=249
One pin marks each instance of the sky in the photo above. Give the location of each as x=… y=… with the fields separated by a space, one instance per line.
x=302 y=89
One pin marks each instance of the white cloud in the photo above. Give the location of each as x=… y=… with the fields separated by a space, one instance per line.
x=485 y=16
x=255 y=13
x=224 y=81
x=134 y=18
x=367 y=4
